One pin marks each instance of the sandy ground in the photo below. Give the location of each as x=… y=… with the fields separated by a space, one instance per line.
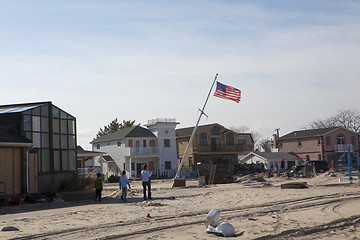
x=257 y=209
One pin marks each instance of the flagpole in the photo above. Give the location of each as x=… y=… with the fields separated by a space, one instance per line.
x=195 y=128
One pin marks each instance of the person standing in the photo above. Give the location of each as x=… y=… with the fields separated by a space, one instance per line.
x=98 y=187
x=146 y=181
x=123 y=183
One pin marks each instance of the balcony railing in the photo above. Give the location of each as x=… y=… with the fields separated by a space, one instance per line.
x=161 y=120
x=343 y=147
x=144 y=151
x=84 y=171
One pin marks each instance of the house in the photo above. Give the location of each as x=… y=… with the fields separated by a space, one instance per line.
x=272 y=160
x=109 y=167
x=132 y=147
x=319 y=144
x=86 y=161
x=247 y=138
x=52 y=133
x=15 y=158
x=212 y=143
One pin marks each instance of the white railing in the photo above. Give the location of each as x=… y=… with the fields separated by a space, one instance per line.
x=84 y=171
x=161 y=120
x=343 y=147
x=144 y=151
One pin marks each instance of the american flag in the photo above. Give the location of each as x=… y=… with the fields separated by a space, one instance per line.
x=227 y=92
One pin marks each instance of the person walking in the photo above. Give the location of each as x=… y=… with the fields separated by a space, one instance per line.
x=98 y=187
x=146 y=181
x=123 y=183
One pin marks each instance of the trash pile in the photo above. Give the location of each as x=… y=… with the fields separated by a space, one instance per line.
x=215 y=226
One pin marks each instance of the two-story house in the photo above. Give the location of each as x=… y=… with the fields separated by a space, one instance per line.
x=52 y=132
x=319 y=144
x=212 y=143
x=132 y=147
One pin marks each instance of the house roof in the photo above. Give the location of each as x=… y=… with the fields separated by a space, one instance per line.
x=11 y=137
x=86 y=153
x=13 y=108
x=186 y=132
x=108 y=158
x=246 y=136
x=271 y=156
x=134 y=132
x=308 y=133
x=18 y=108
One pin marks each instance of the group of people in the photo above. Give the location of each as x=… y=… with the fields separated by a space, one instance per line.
x=124 y=184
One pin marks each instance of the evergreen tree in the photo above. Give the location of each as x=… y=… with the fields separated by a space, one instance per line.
x=114 y=126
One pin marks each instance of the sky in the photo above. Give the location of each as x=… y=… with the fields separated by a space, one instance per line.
x=294 y=61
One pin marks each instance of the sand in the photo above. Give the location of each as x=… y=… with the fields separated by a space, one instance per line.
x=258 y=209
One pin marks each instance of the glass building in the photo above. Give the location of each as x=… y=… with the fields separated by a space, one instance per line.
x=52 y=131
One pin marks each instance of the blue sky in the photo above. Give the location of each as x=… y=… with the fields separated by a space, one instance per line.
x=294 y=61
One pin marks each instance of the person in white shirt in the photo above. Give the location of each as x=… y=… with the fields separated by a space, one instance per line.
x=123 y=183
x=146 y=181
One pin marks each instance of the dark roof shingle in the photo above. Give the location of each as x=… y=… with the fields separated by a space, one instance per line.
x=136 y=131
x=308 y=133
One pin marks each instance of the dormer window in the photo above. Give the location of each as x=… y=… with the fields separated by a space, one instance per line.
x=215 y=131
x=229 y=139
x=203 y=139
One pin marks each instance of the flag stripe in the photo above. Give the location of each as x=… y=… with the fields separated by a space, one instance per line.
x=227 y=92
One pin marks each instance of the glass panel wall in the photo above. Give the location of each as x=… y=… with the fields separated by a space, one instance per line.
x=53 y=133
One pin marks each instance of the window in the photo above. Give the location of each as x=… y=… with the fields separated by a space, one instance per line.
x=329 y=158
x=319 y=156
x=130 y=143
x=144 y=143
x=215 y=144
x=215 y=131
x=318 y=141
x=340 y=139
x=307 y=158
x=27 y=123
x=190 y=161
x=229 y=139
x=167 y=164
x=118 y=143
x=166 y=142
x=299 y=142
x=328 y=141
x=203 y=139
x=353 y=140
x=137 y=144
x=98 y=146
x=280 y=144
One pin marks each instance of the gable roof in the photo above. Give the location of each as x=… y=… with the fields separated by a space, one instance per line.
x=86 y=153
x=308 y=133
x=11 y=137
x=186 y=132
x=22 y=107
x=108 y=158
x=135 y=131
x=271 y=156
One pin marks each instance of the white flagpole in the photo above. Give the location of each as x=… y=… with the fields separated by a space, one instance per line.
x=195 y=128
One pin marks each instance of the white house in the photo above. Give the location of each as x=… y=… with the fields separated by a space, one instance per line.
x=272 y=160
x=132 y=147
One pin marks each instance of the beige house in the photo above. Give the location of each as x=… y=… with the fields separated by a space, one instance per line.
x=319 y=144
x=18 y=171
x=212 y=143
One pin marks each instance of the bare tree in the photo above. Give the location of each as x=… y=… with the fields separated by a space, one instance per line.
x=349 y=119
x=245 y=129
x=265 y=144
